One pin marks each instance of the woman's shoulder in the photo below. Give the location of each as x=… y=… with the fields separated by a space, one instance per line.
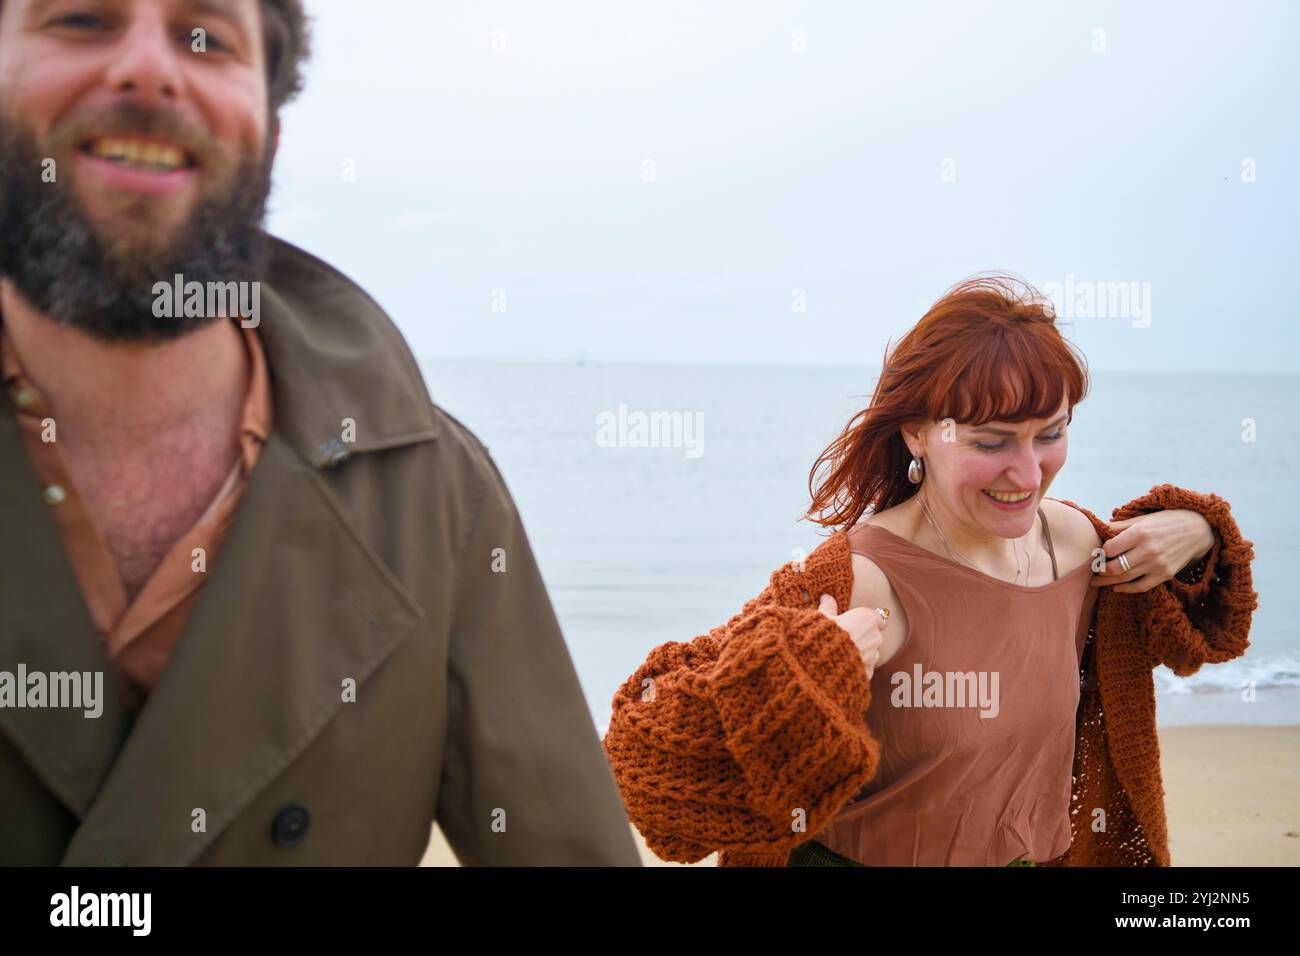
x=1073 y=536
x=871 y=587
x=892 y=519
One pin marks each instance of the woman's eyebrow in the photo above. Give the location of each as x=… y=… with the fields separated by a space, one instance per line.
x=1006 y=431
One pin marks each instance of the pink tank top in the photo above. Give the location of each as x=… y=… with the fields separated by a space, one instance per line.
x=975 y=714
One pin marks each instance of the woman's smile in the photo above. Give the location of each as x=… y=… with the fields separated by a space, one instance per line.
x=1009 y=502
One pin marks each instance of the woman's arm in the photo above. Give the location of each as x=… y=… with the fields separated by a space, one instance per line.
x=1186 y=624
x=1200 y=616
x=747 y=739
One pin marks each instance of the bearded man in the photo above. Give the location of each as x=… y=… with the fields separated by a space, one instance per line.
x=321 y=620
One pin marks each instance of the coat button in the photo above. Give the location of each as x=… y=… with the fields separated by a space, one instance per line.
x=290 y=826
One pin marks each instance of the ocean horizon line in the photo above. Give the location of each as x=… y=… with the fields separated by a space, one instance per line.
x=820 y=366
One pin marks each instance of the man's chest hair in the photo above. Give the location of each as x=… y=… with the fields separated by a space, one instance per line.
x=143 y=503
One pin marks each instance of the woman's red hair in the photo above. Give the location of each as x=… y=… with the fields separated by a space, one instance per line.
x=988 y=350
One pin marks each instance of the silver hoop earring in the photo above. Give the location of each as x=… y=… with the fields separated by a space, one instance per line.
x=915 y=471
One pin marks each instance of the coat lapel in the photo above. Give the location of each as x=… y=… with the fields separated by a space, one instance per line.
x=296 y=600
x=44 y=624
x=296 y=604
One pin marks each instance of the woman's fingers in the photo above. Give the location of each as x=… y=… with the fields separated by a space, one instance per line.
x=1136 y=553
x=864 y=625
x=1155 y=546
x=828 y=606
x=1114 y=573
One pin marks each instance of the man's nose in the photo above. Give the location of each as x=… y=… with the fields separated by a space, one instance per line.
x=146 y=67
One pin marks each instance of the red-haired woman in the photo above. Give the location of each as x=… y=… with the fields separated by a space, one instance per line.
x=963 y=678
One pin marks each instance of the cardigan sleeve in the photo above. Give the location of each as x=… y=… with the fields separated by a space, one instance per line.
x=748 y=739
x=1185 y=625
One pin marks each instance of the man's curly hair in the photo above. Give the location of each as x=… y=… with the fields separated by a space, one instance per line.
x=285 y=38
x=287 y=45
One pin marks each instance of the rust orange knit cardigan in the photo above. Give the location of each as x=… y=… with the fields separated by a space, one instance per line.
x=717 y=743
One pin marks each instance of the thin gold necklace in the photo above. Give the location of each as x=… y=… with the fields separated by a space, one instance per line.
x=944 y=539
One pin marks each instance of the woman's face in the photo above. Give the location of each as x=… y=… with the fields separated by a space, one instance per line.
x=964 y=463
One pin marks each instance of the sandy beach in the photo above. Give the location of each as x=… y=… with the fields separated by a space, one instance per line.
x=1232 y=794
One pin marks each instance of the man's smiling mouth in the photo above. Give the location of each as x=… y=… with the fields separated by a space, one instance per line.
x=145 y=154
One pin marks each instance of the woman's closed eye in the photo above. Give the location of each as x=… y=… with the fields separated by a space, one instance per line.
x=998 y=447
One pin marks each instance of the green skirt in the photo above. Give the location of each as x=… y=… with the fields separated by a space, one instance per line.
x=813 y=853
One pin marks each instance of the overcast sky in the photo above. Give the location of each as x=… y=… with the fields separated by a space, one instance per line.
x=786 y=182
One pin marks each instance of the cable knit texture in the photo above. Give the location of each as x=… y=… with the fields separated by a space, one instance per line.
x=751 y=737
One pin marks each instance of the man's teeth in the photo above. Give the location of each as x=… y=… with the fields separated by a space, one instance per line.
x=133 y=152
x=1009 y=499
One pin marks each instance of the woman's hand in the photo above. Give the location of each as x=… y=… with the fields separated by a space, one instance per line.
x=1156 y=547
x=864 y=625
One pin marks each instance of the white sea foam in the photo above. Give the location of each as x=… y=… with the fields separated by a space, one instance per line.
x=1242 y=674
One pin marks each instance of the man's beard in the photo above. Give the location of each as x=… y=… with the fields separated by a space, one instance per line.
x=60 y=261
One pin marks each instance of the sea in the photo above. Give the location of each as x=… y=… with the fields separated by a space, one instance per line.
x=659 y=498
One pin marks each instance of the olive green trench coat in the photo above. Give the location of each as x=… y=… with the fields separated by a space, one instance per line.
x=395 y=563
